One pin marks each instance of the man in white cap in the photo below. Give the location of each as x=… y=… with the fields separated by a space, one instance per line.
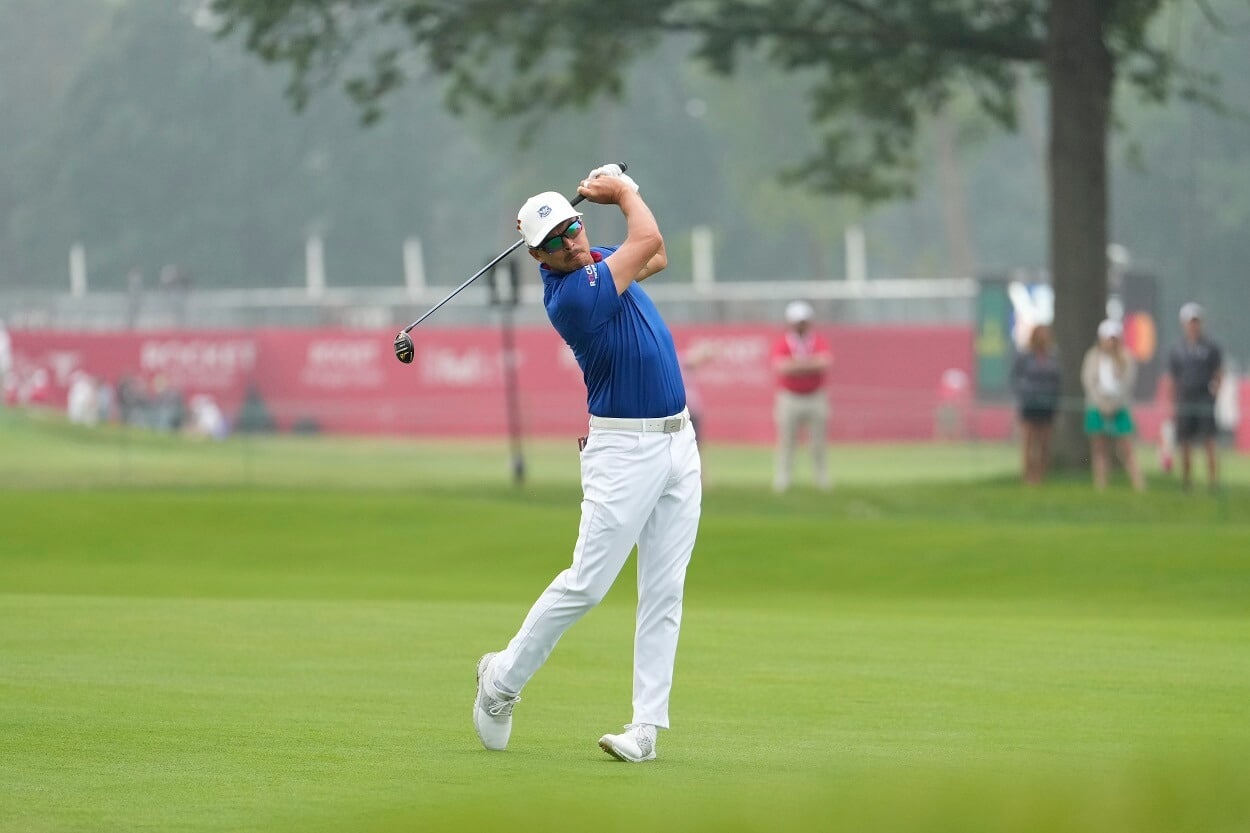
x=1195 y=368
x=640 y=464
x=801 y=359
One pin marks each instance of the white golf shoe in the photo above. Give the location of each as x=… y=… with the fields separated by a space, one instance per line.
x=635 y=745
x=492 y=714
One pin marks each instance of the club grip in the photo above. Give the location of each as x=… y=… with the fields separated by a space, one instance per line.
x=581 y=198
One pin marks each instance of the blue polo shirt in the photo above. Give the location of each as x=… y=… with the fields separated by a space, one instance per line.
x=621 y=343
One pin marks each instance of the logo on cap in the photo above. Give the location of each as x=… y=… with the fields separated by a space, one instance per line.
x=544 y=211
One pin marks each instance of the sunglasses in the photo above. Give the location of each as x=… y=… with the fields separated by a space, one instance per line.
x=555 y=242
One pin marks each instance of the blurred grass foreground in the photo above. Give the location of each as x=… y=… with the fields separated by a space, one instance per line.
x=279 y=633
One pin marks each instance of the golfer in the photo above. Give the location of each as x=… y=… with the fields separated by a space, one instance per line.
x=640 y=464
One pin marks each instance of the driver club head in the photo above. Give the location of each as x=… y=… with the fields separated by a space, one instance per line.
x=404 y=349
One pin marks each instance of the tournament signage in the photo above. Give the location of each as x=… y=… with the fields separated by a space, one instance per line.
x=885 y=383
x=1007 y=310
x=992 y=341
x=1138 y=297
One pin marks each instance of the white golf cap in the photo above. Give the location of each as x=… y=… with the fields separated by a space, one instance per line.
x=1189 y=312
x=1110 y=328
x=797 y=311
x=542 y=213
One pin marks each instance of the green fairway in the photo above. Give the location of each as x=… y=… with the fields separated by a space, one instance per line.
x=280 y=634
x=45 y=452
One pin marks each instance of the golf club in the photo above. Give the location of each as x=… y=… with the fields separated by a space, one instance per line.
x=405 y=351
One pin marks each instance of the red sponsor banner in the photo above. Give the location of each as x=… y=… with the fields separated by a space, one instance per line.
x=886 y=382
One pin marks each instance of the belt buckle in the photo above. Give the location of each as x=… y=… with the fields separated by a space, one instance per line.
x=672 y=425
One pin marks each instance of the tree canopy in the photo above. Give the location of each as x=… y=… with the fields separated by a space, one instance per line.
x=875 y=66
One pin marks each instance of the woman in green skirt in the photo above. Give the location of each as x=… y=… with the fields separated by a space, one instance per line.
x=1108 y=374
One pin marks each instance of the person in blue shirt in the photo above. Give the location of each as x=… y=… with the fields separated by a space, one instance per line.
x=640 y=464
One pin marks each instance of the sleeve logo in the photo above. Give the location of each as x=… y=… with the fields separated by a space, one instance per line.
x=592 y=274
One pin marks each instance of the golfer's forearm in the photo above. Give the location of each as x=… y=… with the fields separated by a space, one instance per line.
x=657 y=263
x=640 y=224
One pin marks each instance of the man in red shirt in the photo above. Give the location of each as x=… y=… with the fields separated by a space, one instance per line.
x=802 y=360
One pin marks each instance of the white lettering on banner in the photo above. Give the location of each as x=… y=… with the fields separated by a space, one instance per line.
x=473 y=367
x=734 y=349
x=63 y=364
x=356 y=352
x=343 y=363
x=198 y=363
x=736 y=360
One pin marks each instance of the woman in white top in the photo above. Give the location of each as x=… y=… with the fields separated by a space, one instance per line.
x=1108 y=374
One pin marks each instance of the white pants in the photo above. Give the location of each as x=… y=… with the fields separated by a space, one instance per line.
x=638 y=487
x=792 y=412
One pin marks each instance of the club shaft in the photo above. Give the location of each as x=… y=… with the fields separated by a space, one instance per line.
x=460 y=288
x=577 y=199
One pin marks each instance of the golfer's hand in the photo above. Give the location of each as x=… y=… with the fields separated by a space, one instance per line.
x=605 y=189
x=613 y=169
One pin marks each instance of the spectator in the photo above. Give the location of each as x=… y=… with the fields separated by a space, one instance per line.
x=802 y=360
x=1107 y=375
x=168 y=409
x=1035 y=381
x=207 y=419
x=132 y=400
x=253 y=416
x=36 y=389
x=104 y=401
x=1196 y=369
x=954 y=403
x=81 y=406
x=6 y=360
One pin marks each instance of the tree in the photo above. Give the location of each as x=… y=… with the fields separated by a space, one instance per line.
x=879 y=66
x=165 y=148
x=1181 y=182
x=41 y=49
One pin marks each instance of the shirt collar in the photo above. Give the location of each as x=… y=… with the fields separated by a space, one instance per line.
x=551 y=274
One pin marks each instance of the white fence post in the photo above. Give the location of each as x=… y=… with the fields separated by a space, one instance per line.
x=77 y=270
x=314 y=266
x=703 y=269
x=414 y=267
x=856 y=255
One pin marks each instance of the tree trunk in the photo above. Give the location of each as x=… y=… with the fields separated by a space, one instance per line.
x=1080 y=71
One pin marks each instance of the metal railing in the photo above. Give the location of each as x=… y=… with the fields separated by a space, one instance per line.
x=930 y=301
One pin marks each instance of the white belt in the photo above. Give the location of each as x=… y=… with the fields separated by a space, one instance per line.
x=666 y=425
